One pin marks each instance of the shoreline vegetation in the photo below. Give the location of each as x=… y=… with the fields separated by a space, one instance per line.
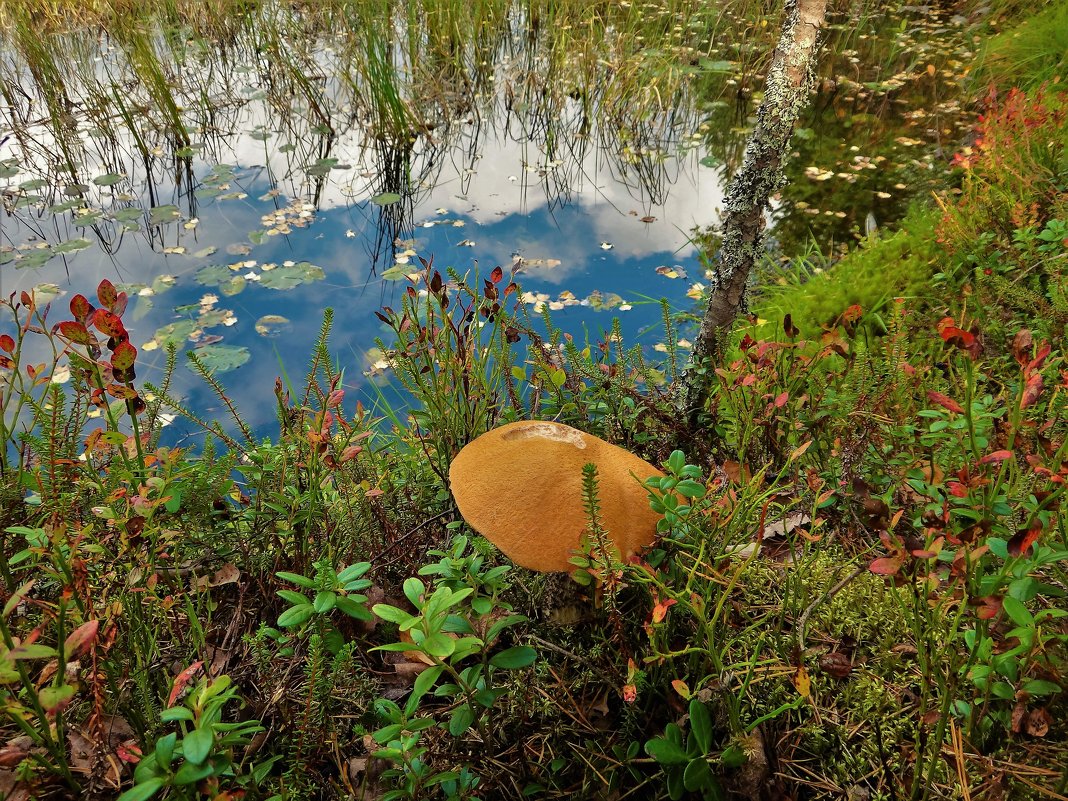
x=859 y=587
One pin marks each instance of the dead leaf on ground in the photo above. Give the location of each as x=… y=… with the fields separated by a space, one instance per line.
x=10 y=789
x=1038 y=722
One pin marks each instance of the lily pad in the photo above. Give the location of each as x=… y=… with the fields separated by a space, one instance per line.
x=175 y=333
x=66 y=205
x=163 y=214
x=36 y=257
x=386 y=199
x=72 y=245
x=213 y=274
x=110 y=179
x=288 y=277
x=222 y=358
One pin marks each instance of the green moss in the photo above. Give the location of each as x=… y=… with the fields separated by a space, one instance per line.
x=895 y=265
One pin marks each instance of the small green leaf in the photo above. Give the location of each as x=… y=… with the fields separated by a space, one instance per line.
x=1041 y=687
x=190 y=773
x=386 y=199
x=295 y=616
x=296 y=578
x=197 y=745
x=666 y=752
x=697 y=775
x=176 y=713
x=143 y=791
x=461 y=720
x=391 y=613
x=324 y=601
x=165 y=749
x=701 y=725
x=520 y=656
x=1017 y=612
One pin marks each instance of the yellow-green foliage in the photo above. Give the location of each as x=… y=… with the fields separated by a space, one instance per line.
x=1031 y=53
x=894 y=265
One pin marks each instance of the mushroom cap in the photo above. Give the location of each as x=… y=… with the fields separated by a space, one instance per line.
x=520 y=486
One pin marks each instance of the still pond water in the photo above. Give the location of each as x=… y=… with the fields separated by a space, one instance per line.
x=263 y=192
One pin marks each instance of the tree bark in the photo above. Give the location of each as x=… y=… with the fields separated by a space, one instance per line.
x=786 y=91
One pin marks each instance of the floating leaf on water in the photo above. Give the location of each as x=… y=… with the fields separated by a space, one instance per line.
x=321 y=167
x=163 y=283
x=66 y=205
x=203 y=253
x=175 y=250
x=233 y=286
x=394 y=273
x=110 y=179
x=222 y=358
x=6 y=256
x=174 y=333
x=386 y=199
x=87 y=217
x=257 y=237
x=293 y=275
x=238 y=249
x=45 y=293
x=35 y=258
x=75 y=190
x=9 y=168
x=72 y=246
x=213 y=274
x=207 y=192
x=606 y=246
x=271 y=325
x=710 y=161
x=33 y=184
x=163 y=214
x=128 y=214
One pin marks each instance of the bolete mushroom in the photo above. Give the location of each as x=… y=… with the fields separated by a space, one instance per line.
x=520 y=486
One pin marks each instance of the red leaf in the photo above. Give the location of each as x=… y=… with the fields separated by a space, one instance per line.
x=81 y=308
x=781 y=400
x=121 y=392
x=886 y=565
x=1021 y=346
x=109 y=324
x=996 y=456
x=123 y=357
x=1043 y=351
x=661 y=608
x=1024 y=538
x=80 y=638
x=107 y=294
x=944 y=401
x=76 y=332
x=1032 y=390
x=497 y=275
x=990 y=607
x=7 y=344
x=181 y=680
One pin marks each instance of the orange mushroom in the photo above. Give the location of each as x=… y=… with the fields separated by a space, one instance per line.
x=520 y=486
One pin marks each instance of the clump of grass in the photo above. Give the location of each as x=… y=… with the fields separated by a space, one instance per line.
x=1031 y=52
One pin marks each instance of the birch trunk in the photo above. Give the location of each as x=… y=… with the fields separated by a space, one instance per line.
x=786 y=91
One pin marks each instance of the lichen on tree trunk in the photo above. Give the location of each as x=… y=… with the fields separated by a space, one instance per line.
x=787 y=88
